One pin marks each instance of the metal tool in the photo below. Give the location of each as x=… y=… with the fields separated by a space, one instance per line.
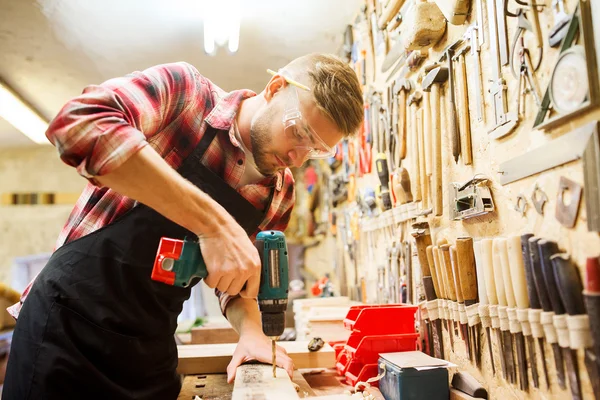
x=566 y=148
x=539 y=199
x=527 y=81
x=519 y=286
x=561 y=23
x=470 y=199
x=403 y=87
x=422 y=237
x=547 y=314
x=413 y=101
x=403 y=68
x=500 y=276
x=468 y=283
x=446 y=262
x=504 y=122
x=474 y=33
x=549 y=249
x=180 y=262
x=566 y=212
x=445 y=286
x=533 y=316
x=464 y=115
x=447 y=55
x=383 y=173
x=431 y=83
x=460 y=301
x=484 y=307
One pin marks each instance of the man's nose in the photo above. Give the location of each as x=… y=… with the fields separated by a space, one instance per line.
x=298 y=156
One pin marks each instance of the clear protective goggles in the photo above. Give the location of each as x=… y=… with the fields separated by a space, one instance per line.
x=296 y=129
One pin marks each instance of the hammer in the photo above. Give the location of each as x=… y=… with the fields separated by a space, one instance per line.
x=431 y=83
x=454 y=132
x=413 y=101
x=403 y=87
x=463 y=105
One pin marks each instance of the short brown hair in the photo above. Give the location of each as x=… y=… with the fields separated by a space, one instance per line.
x=335 y=88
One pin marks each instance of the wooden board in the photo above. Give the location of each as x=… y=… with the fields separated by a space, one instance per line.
x=214 y=358
x=256 y=381
x=214 y=334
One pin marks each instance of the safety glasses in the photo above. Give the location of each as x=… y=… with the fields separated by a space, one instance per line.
x=296 y=129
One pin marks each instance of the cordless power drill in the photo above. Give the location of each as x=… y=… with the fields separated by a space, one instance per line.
x=179 y=262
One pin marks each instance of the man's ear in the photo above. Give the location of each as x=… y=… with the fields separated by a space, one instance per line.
x=276 y=83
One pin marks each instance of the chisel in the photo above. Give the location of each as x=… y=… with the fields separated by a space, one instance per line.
x=462 y=314
x=570 y=291
x=592 y=303
x=435 y=306
x=468 y=284
x=422 y=237
x=547 y=315
x=484 y=307
x=533 y=316
x=487 y=254
x=446 y=269
x=504 y=290
x=519 y=286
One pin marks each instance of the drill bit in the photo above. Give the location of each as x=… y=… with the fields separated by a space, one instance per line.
x=274 y=358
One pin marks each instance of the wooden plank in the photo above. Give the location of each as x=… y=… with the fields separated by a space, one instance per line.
x=214 y=358
x=256 y=381
x=214 y=334
x=304 y=389
x=207 y=387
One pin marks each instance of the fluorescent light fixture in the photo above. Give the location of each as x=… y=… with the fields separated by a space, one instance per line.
x=22 y=116
x=221 y=25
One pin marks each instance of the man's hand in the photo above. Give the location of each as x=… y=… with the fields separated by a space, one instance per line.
x=231 y=261
x=257 y=346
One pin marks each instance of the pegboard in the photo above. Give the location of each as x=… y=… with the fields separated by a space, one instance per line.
x=374 y=234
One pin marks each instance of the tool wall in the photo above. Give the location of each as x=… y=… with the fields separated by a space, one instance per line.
x=473 y=189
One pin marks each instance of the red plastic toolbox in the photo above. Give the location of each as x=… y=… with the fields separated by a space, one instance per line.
x=381 y=319
x=366 y=349
x=358 y=372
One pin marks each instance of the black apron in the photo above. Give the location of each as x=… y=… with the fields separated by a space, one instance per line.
x=94 y=325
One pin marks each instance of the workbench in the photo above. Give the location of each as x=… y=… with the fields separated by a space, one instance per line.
x=312 y=382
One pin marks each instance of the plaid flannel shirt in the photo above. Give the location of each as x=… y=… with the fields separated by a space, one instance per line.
x=167 y=107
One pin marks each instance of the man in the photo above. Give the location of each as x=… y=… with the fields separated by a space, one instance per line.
x=168 y=153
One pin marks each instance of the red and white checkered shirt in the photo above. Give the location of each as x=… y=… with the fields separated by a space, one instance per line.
x=167 y=107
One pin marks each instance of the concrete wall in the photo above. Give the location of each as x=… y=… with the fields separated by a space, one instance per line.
x=32 y=229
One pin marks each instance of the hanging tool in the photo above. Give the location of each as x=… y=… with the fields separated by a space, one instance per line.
x=484 y=307
x=561 y=23
x=446 y=262
x=533 y=315
x=440 y=266
x=491 y=274
x=499 y=247
x=473 y=34
x=432 y=82
x=527 y=81
x=539 y=199
x=427 y=125
x=391 y=9
x=179 y=262
x=464 y=115
x=447 y=55
x=435 y=307
x=591 y=180
x=403 y=88
x=401 y=186
x=570 y=290
x=592 y=303
x=460 y=301
x=425 y=26
x=470 y=199
x=504 y=122
x=413 y=101
x=516 y=337
x=566 y=213
x=468 y=284
x=383 y=173
x=523 y=26
x=422 y=237
x=408 y=65
x=523 y=329
x=547 y=314
x=466 y=383
x=547 y=250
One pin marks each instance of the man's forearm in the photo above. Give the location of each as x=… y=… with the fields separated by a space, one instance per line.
x=147 y=178
x=244 y=316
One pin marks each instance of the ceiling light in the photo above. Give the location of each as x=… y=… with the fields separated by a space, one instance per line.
x=22 y=116
x=221 y=25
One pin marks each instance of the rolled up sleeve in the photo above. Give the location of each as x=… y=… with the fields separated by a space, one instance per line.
x=99 y=130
